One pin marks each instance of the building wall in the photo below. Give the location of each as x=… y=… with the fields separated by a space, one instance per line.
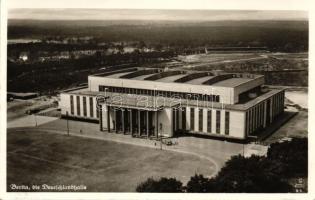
x=257 y=115
x=104 y=117
x=66 y=107
x=165 y=118
x=226 y=94
x=65 y=103
x=246 y=87
x=236 y=122
x=241 y=123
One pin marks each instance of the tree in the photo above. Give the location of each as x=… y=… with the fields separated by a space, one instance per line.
x=252 y=175
x=162 y=185
x=293 y=154
x=200 y=184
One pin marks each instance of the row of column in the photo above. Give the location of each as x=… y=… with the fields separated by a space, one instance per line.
x=263 y=114
x=131 y=121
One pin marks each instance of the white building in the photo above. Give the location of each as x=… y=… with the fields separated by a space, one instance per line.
x=156 y=102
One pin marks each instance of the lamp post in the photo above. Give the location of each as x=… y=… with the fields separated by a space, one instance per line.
x=35 y=119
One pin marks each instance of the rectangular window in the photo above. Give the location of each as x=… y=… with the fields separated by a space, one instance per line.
x=192 y=119
x=84 y=107
x=247 y=123
x=78 y=106
x=217 y=98
x=227 y=123
x=209 y=120
x=200 y=120
x=91 y=107
x=71 y=105
x=218 y=121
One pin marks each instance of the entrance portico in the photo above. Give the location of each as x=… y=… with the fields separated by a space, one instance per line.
x=138 y=122
x=138 y=118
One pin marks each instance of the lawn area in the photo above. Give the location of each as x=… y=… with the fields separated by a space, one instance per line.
x=102 y=166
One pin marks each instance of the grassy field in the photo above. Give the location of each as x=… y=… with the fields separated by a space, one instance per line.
x=38 y=158
x=290 y=69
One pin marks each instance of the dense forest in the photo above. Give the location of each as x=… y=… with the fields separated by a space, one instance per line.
x=167 y=38
x=287 y=36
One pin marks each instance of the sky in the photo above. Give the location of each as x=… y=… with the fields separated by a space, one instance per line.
x=149 y=14
x=165 y=4
x=157 y=9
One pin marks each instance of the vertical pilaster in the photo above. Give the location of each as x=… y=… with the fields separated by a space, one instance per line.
x=115 y=121
x=156 y=124
x=123 y=120
x=108 y=119
x=101 y=118
x=130 y=115
x=139 y=121
x=147 y=123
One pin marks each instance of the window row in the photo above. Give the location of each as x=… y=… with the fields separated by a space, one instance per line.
x=209 y=121
x=181 y=95
x=84 y=103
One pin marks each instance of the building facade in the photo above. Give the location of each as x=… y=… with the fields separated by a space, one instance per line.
x=155 y=102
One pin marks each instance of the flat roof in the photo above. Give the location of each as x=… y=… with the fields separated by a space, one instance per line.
x=142 y=77
x=84 y=91
x=118 y=75
x=232 y=82
x=171 y=79
x=255 y=101
x=221 y=79
x=199 y=81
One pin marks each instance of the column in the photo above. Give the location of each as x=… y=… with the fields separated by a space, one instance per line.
x=123 y=120
x=101 y=118
x=265 y=114
x=115 y=121
x=108 y=119
x=156 y=124
x=130 y=115
x=147 y=123
x=139 y=125
x=271 y=110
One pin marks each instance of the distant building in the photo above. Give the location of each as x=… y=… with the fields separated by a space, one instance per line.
x=23 y=96
x=154 y=102
x=235 y=49
x=24 y=56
